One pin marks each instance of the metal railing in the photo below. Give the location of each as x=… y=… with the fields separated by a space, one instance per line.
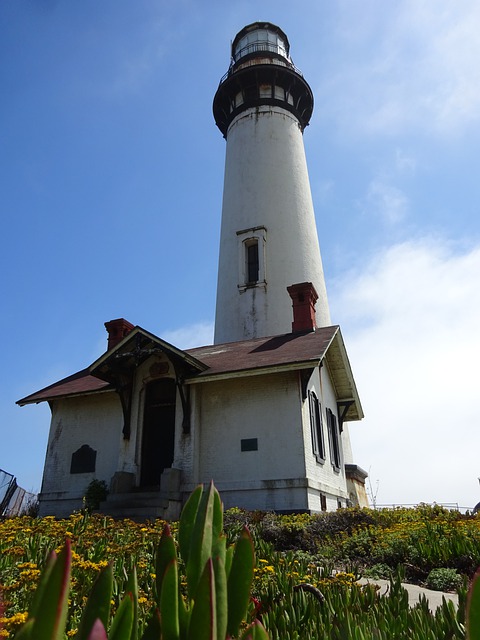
x=255 y=47
x=261 y=45
x=452 y=506
x=13 y=499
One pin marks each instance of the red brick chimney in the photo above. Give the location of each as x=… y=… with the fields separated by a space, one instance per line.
x=304 y=298
x=117 y=330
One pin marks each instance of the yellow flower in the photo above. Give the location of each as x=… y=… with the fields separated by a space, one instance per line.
x=14 y=621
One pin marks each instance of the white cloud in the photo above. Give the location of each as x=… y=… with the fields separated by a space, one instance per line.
x=385 y=201
x=194 y=335
x=412 y=67
x=410 y=320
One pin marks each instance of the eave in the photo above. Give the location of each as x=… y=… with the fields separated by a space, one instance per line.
x=254 y=371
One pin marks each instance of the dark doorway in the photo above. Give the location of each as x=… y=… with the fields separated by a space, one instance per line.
x=158 y=431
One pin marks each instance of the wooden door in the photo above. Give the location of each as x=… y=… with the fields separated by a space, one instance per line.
x=158 y=431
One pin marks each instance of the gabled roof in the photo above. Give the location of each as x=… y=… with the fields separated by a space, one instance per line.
x=136 y=347
x=133 y=349
x=258 y=356
x=77 y=384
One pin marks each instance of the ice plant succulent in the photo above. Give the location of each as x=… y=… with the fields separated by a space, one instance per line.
x=218 y=581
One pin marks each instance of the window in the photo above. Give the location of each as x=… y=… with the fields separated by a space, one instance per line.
x=316 y=428
x=333 y=440
x=251 y=255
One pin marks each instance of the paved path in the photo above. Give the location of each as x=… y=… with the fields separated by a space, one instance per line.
x=434 y=597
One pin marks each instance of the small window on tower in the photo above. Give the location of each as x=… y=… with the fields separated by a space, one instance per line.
x=251 y=258
x=252 y=264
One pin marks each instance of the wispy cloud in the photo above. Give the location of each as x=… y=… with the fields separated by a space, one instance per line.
x=194 y=335
x=410 y=321
x=385 y=201
x=414 y=67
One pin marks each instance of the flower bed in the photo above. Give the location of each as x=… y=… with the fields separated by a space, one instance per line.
x=294 y=592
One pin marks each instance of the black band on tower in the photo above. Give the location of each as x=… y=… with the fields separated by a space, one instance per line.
x=261 y=73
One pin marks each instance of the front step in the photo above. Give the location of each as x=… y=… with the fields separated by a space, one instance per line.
x=137 y=506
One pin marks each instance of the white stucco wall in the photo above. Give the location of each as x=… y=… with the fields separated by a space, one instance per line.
x=267 y=408
x=322 y=477
x=346 y=444
x=266 y=184
x=94 y=420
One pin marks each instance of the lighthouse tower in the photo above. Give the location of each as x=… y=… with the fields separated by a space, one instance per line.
x=268 y=235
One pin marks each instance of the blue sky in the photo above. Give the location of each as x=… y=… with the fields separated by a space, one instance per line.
x=110 y=198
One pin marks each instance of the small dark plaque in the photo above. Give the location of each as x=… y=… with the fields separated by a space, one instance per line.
x=83 y=460
x=159 y=368
x=249 y=444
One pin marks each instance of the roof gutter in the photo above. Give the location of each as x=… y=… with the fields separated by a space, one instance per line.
x=258 y=371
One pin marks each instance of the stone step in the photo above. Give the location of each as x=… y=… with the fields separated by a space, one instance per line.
x=136 y=505
x=135 y=499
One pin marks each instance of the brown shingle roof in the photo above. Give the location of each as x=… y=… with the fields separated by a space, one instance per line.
x=293 y=350
x=260 y=353
x=77 y=384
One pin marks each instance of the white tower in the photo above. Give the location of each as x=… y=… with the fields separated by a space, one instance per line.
x=268 y=236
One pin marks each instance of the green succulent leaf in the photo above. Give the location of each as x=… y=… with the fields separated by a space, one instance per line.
x=132 y=588
x=42 y=583
x=166 y=552
x=183 y=617
x=153 y=629
x=203 y=618
x=169 y=603
x=187 y=523
x=201 y=540
x=52 y=610
x=240 y=581
x=221 y=593
x=123 y=621
x=98 y=604
x=473 y=609
x=217 y=516
x=229 y=558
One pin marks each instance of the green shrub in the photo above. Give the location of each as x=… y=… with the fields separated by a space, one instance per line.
x=324 y=525
x=97 y=492
x=286 y=533
x=380 y=570
x=443 y=580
